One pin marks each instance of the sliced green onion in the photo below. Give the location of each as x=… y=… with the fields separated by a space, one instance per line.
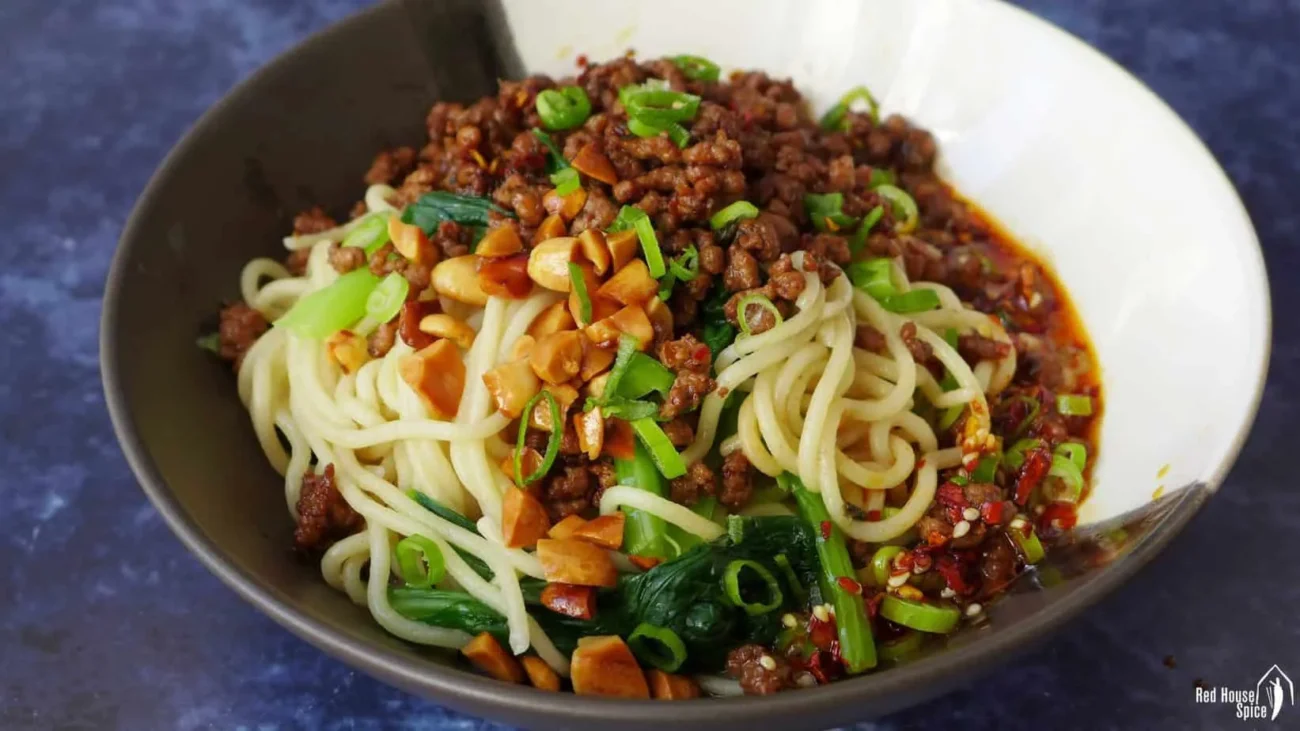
x=580 y=291
x=950 y=415
x=419 y=561
x=627 y=347
x=686 y=266
x=658 y=107
x=742 y=309
x=737 y=211
x=563 y=108
x=658 y=647
x=666 y=284
x=386 y=300
x=1025 y=423
x=917 y=300
x=644 y=375
x=696 y=68
x=1030 y=547
x=210 y=342
x=370 y=234
x=677 y=133
x=902 y=205
x=858 y=241
x=731 y=583
x=1075 y=452
x=552 y=443
x=879 y=177
x=1065 y=470
x=881 y=563
x=987 y=468
x=836 y=115
x=791 y=578
x=654 y=258
x=641 y=129
x=921 y=616
x=324 y=312
x=873 y=276
x=826 y=211
x=903 y=647
x=555 y=162
x=1072 y=405
x=1015 y=456
x=661 y=449
x=566 y=181
x=624 y=408
x=735 y=529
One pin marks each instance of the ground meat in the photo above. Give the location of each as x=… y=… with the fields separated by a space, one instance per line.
x=713 y=259
x=975 y=348
x=758 y=236
x=386 y=260
x=686 y=394
x=978 y=493
x=829 y=247
x=390 y=166
x=240 y=327
x=568 y=492
x=869 y=338
x=453 y=239
x=741 y=272
x=685 y=353
x=679 y=432
x=737 y=480
x=598 y=212
x=296 y=261
x=698 y=481
x=323 y=515
x=382 y=340
x=921 y=351
x=346 y=258
x=997 y=564
x=745 y=663
x=312 y=221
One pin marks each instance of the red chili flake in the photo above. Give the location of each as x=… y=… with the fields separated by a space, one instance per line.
x=904 y=561
x=826 y=530
x=1032 y=472
x=922 y=560
x=703 y=354
x=821 y=634
x=920 y=463
x=849 y=585
x=582 y=60
x=951 y=495
x=992 y=513
x=873 y=515
x=951 y=570
x=1056 y=519
x=873 y=605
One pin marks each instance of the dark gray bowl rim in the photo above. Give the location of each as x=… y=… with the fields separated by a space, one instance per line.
x=907 y=684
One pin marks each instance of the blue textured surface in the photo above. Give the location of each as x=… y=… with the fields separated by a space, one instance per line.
x=106 y=622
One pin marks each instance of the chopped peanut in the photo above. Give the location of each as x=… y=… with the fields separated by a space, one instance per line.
x=645 y=563
x=457 y=279
x=593 y=246
x=605 y=531
x=505 y=276
x=620 y=441
x=523 y=519
x=566 y=206
x=540 y=674
x=661 y=318
x=511 y=386
x=632 y=320
x=595 y=360
x=631 y=285
x=590 y=426
x=548 y=262
x=622 y=248
x=500 y=241
x=565 y=528
x=605 y=666
x=486 y=654
x=529 y=461
x=522 y=347
x=437 y=375
x=557 y=357
x=571 y=561
x=348 y=349
x=590 y=161
x=551 y=227
x=578 y=602
x=411 y=242
x=596 y=386
x=553 y=319
x=446 y=326
x=565 y=395
x=669 y=687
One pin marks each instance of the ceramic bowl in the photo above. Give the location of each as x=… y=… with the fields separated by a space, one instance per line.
x=1074 y=156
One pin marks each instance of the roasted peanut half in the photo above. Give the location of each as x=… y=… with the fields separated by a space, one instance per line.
x=622 y=247
x=631 y=285
x=457 y=279
x=552 y=319
x=348 y=349
x=511 y=386
x=566 y=206
x=446 y=326
x=411 y=241
x=437 y=375
x=551 y=227
x=500 y=241
x=557 y=357
x=593 y=246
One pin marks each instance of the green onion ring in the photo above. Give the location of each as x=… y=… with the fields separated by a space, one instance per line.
x=731 y=584
x=552 y=443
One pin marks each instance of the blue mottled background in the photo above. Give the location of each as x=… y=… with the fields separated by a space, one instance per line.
x=106 y=622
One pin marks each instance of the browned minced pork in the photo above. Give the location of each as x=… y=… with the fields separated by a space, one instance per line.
x=346 y=258
x=737 y=480
x=296 y=261
x=869 y=338
x=997 y=565
x=312 y=221
x=745 y=663
x=697 y=482
x=567 y=492
x=687 y=393
x=679 y=432
x=390 y=166
x=685 y=353
x=240 y=327
x=323 y=515
x=921 y=351
x=975 y=348
x=382 y=340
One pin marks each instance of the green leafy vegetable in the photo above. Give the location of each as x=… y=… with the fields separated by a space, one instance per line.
x=826 y=211
x=433 y=208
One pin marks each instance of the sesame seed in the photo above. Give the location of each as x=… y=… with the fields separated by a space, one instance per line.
x=971 y=513
x=821 y=614
x=897 y=580
x=789 y=621
x=1018 y=524
x=769 y=664
x=974 y=609
x=1036 y=300
x=961 y=529
x=910 y=592
x=947 y=592
x=805 y=680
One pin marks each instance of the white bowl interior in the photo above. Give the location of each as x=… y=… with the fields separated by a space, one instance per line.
x=1075 y=157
